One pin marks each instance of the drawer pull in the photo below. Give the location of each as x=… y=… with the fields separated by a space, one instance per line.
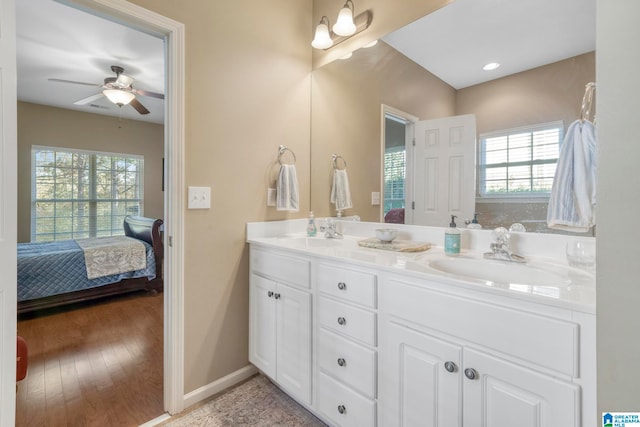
x=342 y=321
x=342 y=362
x=342 y=409
x=276 y=296
x=342 y=286
x=270 y=294
x=471 y=373
x=450 y=366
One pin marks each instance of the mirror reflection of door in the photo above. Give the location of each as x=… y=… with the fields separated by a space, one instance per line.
x=428 y=169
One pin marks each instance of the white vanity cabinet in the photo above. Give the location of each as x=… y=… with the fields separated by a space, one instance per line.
x=448 y=360
x=280 y=320
x=347 y=339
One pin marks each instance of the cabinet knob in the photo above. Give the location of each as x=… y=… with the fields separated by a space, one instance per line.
x=270 y=294
x=471 y=373
x=276 y=296
x=342 y=409
x=342 y=321
x=342 y=286
x=450 y=366
x=342 y=362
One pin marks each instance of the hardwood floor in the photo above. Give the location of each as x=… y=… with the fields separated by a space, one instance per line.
x=94 y=365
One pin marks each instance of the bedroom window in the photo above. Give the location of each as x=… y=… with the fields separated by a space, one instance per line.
x=77 y=194
x=519 y=162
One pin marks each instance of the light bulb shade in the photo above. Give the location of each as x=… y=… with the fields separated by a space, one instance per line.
x=118 y=97
x=322 y=40
x=345 y=26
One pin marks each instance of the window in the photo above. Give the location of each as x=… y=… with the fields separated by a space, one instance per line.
x=78 y=194
x=519 y=162
x=394 y=169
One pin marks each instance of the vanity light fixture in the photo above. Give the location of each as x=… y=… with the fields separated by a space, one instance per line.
x=491 y=66
x=345 y=27
x=118 y=97
x=347 y=55
x=322 y=39
x=371 y=44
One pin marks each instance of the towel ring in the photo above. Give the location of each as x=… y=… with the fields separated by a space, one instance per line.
x=281 y=150
x=335 y=158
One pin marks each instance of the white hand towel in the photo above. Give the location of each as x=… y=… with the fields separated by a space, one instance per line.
x=573 y=195
x=340 y=192
x=287 y=189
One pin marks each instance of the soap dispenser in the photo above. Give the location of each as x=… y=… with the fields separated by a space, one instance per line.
x=474 y=222
x=452 y=239
x=311 y=226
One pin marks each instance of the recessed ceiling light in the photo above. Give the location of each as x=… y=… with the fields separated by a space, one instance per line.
x=491 y=66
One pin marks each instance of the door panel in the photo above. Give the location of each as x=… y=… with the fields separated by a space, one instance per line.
x=262 y=317
x=443 y=170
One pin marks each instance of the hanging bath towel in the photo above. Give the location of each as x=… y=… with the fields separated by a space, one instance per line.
x=340 y=192
x=287 y=198
x=573 y=195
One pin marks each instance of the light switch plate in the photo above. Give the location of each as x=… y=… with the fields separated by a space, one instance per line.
x=375 y=198
x=271 y=196
x=199 y=198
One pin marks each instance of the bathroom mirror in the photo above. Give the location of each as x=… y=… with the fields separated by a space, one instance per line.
x=349 y=98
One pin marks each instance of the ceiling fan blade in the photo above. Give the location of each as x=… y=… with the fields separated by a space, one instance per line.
x=89 y=99
x=147 y=93
x=138 y=106
x=74 y=82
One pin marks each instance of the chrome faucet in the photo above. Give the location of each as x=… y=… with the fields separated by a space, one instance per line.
x=500 y=248
x=329 y=229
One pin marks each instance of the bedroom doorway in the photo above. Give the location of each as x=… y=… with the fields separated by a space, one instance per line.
x=173 y=35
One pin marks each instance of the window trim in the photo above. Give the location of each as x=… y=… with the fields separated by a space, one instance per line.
x=33 y=200
x=515 y=197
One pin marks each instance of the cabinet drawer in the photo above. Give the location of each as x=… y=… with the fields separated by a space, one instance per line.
x=352 y=363
x=343 y=406
x=347 y=319
x=544 y=340
x=283 y=268
x=350 y=285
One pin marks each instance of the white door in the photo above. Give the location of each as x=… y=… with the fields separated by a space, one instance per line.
x=294 y=341
x=419 y=379
x=507 y=395
x=443 y=169
x=262 y=325
x=8 y=207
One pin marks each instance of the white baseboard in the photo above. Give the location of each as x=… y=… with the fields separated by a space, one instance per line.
x=217 y=386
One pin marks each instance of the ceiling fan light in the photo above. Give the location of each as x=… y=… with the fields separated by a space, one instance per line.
x=344 y=25
x=322 y=39
x=123 y=81
x=118 y=97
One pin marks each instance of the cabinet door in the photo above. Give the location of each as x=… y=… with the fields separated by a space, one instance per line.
x=262 y=325
x=294 y=341
x=415 y=387
x=506 y=395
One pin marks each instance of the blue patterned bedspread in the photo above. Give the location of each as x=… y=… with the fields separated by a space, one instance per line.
x=54 y=268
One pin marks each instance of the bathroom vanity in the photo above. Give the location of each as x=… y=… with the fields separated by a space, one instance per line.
x=366 y=337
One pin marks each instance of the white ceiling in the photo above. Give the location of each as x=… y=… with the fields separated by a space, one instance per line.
x=456 y=41
x=57 y=41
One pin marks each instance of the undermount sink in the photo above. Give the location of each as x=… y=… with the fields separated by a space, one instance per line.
x=500 y=271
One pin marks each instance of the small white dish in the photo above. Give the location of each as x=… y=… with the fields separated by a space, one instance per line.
x=386 y=235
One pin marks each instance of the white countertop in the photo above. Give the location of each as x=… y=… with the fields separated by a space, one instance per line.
x=542 y=279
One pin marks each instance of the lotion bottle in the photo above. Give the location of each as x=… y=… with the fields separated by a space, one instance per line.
x=311 y=226
x=452 y=239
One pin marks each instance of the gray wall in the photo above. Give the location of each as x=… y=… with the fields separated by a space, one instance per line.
x=618 y=287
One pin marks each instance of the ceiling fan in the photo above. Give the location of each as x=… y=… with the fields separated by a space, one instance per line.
x=118 y=90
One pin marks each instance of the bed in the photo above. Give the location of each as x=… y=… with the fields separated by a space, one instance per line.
x=55 y=273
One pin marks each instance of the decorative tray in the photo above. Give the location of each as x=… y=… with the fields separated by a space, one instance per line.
x=396 y=245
